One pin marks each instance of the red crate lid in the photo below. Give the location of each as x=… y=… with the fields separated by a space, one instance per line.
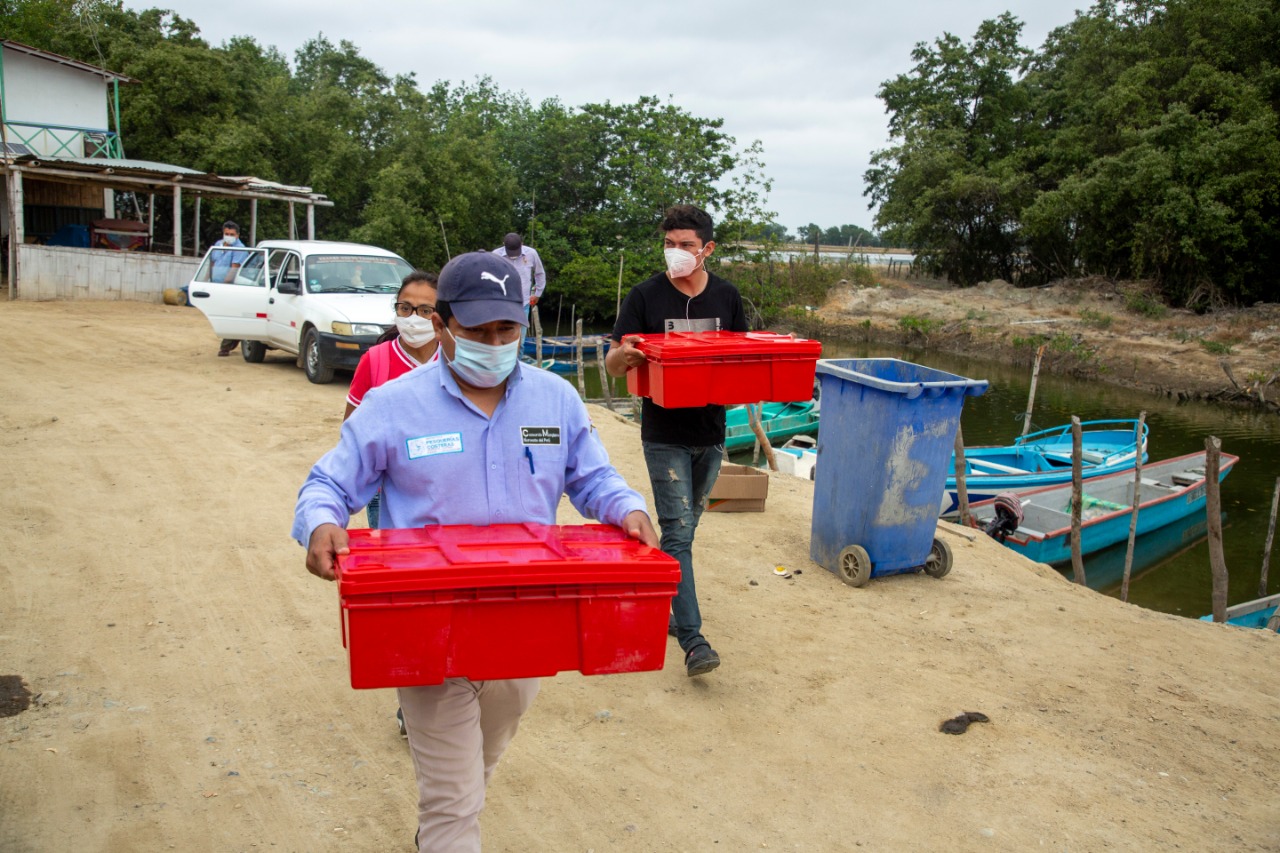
x=465 y=556
x=677 y=345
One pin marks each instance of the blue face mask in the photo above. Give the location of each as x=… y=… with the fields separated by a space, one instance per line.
x=483 y=365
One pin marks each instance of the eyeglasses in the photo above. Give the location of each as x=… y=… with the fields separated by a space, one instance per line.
x=404 y=309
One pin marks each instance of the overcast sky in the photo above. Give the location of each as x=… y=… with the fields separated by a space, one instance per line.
x=800 y=77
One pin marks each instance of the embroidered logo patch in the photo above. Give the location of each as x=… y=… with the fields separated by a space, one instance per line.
x=539 y=435
x=434 y=445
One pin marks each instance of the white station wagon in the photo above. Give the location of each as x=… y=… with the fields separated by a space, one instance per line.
x=324 y=302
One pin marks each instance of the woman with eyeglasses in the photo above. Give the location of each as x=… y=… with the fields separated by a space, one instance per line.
x=411 y=343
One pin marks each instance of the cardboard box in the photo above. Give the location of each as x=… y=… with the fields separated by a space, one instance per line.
x=740 y=488
x=506 y=601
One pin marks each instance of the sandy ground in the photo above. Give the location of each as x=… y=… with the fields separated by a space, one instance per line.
x=1089 y=328
x=190 y=689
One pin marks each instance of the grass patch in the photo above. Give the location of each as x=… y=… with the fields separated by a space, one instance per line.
x=1215 y=347
x=924 y=325
x=1146 y=305
x=1096 y=319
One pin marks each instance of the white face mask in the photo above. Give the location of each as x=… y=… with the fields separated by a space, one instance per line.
x=680 y=263
x=228 y=239
x=415 y=331
x=483 y=365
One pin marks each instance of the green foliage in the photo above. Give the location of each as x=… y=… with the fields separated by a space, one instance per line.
x=1142 y=140
x=1215 y=347
x=427 y=173
x=921 y=325
x=1096 y=319
x=1146 y=305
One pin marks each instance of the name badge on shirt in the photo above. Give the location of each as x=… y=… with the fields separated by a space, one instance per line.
x=434 y=445
x=539 y=435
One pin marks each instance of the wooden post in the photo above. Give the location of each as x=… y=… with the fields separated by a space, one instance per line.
x=559 y=308
x=151 y=221
x=16 y=225
x=293 y=226
x=253 y=222
x=962 y=490
x=1133 y=515
x=754 y=415
x=1213 y=508
x=577 y=348
x=1031 y=395
x=604 y=376
x=311 y=221
x=1271 y=532
x=195 y=231
x=177 y=220
x=618 y=309
x=1077 y=561
x=537 y=335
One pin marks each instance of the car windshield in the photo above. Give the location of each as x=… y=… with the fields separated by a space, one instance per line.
x=233 y=266
x=355 y=274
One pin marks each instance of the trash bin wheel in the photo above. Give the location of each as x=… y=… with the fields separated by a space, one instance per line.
x=938 y=563
x=855 y=565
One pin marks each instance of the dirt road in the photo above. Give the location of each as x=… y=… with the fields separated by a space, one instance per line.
x=189 y=687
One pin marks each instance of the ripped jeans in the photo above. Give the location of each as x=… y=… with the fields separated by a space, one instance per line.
x=682 y=478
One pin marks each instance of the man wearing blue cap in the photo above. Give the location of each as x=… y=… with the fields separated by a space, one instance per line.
x=446 y=444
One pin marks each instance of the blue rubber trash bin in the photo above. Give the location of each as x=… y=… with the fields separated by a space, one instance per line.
x=888 y=430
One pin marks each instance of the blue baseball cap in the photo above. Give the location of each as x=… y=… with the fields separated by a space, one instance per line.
x=481 y=287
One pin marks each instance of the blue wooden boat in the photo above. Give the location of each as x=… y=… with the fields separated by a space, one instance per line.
x=780 y=421
x=1259 y=613
x=565 y=346
x=563 y=368
x=1172 y=489
x=1044 y=459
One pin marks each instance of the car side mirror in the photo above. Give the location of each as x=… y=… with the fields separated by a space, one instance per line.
x=289 y=284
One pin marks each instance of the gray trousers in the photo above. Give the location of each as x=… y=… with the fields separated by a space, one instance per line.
x=457 y=732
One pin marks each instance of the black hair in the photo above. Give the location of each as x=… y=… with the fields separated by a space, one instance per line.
x=682 y=216
x=443 y=309
x=415 y=277
x=229 y=224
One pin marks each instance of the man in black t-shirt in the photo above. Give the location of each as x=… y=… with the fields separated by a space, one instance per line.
x=682 y=447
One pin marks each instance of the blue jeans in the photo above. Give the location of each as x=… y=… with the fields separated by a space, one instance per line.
x=682 y=478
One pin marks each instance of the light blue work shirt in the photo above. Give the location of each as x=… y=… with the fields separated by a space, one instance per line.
x=222 y=260
x=440 y=460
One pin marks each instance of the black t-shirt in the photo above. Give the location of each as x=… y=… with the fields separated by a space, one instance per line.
x=654 y=307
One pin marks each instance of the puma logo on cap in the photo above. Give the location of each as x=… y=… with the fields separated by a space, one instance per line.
x=501 y=282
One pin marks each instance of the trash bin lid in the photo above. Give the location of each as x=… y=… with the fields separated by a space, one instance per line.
x=895 y=376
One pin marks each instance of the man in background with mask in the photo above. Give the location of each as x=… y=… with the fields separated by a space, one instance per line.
x=533 y=278
x=682 y=447
x=472 y=438
x=225 y=265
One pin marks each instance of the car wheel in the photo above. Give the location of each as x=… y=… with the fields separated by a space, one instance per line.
x=317 y=371
x=253 y=351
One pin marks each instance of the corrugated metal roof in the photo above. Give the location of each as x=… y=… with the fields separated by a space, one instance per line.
x=99 y=163
x=147 y=172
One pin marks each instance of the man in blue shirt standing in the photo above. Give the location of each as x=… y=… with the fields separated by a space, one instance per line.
x=449 y=444
x=224 y=266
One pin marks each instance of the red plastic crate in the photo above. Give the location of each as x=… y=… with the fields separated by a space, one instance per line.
x=506 y=601
x=697 y=368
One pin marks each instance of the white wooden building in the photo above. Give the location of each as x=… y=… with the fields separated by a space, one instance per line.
x=63 y=164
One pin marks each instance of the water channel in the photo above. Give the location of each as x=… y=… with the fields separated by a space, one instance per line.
x=1171 y=567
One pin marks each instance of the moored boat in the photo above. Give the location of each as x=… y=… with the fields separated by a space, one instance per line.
x=1043 y=458
x=565 y=346
x=781 y=421
x=1172 y=489
x=1258 y=613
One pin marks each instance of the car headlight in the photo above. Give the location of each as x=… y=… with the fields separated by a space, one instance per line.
x=352 y=330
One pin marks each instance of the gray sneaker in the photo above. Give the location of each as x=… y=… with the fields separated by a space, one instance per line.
x=404 y=733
